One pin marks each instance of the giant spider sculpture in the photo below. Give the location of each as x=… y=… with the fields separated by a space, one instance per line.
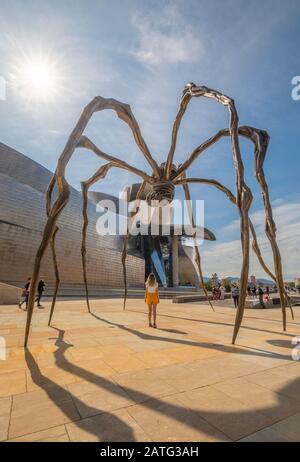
x=162 y=181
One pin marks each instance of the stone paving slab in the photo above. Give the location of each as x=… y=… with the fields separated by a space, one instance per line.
x=55 y=434
x=109 y=377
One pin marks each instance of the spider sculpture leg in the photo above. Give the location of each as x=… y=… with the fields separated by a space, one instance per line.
x=126 y=238
x=52 y=245
x=124 y=112
x=56 y=271
x=55 y=211
x=260 y=139
x=87 y=143
x=244 y=195
x=100 y=174
x=197 y=251
x=124 y=255
x=257 y=251
x=85 y=185
x=232 y=198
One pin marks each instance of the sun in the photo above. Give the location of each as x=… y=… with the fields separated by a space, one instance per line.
x=38 y=78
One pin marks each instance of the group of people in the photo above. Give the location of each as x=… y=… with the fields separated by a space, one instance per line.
x=26 y=292
x=218 y=293
x=253 y=292
x=262 y=294
x=152 y=295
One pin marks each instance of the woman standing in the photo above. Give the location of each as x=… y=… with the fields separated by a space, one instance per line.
x=235 y=292
x=152 y=298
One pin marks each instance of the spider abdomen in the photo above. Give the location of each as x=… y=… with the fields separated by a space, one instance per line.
x=162 y=190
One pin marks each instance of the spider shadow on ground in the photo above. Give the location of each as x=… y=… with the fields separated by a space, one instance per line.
x=115 y=429
x=223 y=323
x=245 y=350
x=171 y=331
x=52 y=388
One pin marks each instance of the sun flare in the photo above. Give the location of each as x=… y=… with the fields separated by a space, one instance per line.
x=38 y=78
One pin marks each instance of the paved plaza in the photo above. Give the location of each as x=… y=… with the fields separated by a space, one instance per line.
x=109 y=377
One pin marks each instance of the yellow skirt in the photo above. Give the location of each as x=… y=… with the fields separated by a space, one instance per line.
x=152 y=299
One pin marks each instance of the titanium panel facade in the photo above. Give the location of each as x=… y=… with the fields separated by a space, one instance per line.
x=23 y=183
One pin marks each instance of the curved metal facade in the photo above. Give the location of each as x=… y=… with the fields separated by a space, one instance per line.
x=23 y=183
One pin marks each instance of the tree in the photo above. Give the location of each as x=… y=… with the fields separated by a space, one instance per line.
x=227 y=284
x=208 y=286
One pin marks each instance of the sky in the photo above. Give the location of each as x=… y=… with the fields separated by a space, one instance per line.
x=143 y=53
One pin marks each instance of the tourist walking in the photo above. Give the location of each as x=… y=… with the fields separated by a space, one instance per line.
x=25 y=293
x=261 y=297
x=235 y=292
x=40 y=290
x=249 y=291
x=253 y=292
x=214 y=293
x=222 y=293
x=151 y=298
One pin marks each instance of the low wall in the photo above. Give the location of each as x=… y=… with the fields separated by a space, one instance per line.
x=9 y=295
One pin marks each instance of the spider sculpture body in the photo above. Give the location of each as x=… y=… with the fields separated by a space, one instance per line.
x=162 y=181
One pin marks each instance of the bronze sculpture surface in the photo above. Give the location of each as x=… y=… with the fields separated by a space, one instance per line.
x=163 y=180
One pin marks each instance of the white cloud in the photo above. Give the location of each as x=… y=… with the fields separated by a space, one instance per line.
x=283 y=212
x=225 y=258
x=165 y=38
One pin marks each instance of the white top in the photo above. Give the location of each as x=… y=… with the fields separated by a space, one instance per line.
x=151 y=289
